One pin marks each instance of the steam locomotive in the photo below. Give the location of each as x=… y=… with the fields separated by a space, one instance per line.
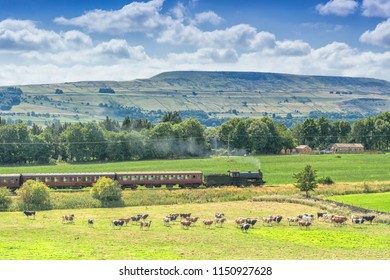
x=183 y=179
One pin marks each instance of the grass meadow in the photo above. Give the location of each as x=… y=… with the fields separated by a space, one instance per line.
x=276 y=169
x=46 y=238
x=374 y=201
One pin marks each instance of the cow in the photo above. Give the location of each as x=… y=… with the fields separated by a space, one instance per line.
x=144 y=216
x=173 y=217
x=90 y=222
x=369 y=218
x=29 y=214
x=117 y=223
x=358 y=221
x=245 y=227
x=68 y=218
x=252 y=222
x=192 y=220
x=320 y=215
x=339 y=220
x=219 y=221
x=185 y=215
x=240 y=221
x=326 y=217
x=185 y=224
x=166 y=221
x=277 y=218
x=208 y=223
x=292 y=220
x=125 y=220
x=267 y=220
x=145 y=225
x=135 y=218
x=304 y=223
x=219 y=215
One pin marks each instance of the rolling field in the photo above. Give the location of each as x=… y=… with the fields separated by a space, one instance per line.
x=46 y=238
x=276 y=169
x=374 y=201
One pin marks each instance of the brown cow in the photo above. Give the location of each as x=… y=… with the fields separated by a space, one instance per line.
x=68 y=218
x=304 y=223
x=240 y=221
x=292 y=220
x=219 y=221
x=145 y=224
x=207 y=223
x=339 y=220
x=185 y=224
x=125 y=221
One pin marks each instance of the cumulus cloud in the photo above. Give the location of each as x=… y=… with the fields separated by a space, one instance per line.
x=338 y=7
x=380 y=36
x=207 y=17
x=134 y=17
x=120 y=49
x=205 y=55
x=376 y=8
x=17 y=35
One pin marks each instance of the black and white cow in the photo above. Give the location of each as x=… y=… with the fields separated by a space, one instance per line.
x=29 y=214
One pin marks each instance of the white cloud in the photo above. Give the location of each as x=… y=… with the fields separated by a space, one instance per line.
x=120 y=49
x=134 y=17
x=338 y=7
x=376 y=8
x=207 y=17
x=18 y=35
x=380 y=36
x=292 y=48
x=205 y=55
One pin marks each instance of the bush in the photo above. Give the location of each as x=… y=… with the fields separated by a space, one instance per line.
x=34 y=195
x=326 y=180
x=106 y=189
x=5 y=200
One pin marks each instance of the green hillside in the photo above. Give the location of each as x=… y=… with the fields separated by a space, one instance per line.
x=209 y=96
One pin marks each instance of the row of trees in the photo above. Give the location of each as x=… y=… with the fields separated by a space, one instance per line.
x=174 y=138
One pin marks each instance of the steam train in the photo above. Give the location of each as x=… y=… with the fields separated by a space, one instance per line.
x=183 y=179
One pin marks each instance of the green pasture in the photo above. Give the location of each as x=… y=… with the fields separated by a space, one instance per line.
x=276 y=169
x=373 y=201
x=46 y=238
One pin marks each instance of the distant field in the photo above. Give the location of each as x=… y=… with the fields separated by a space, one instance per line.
x=276 y=169
x=373 y=201
x=46 y=238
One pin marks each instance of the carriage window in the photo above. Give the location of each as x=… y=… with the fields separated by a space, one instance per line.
x=66 y=179
x=134 y=178
x=5 y=180
x=56 y=179
x=88 y=179
x=38 y=179
x=180 y=177
x=79 y=179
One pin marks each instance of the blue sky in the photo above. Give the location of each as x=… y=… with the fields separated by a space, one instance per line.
x=71 y=40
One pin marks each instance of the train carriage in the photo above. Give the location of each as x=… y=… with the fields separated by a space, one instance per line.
x=185 y=179
x=11 y=181
x=65 y=180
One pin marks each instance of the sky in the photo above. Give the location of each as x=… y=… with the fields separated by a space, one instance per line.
x=46 y=41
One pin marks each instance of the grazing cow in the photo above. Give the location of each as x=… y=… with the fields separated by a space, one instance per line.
x=117 y=223
x=185 y=215
x=327 y=217
x=29 y=213
x=185 y=224
x=252 y=222
x=304 y=223
x=267 y=220
x=358 y=221
x=369 y=218
x=245 y=227
x=219 y=221
x=321 y=215
x=355 y=217
x=144 y=216
x=192 y=220
x=173 y=217
x=292 y=220
x=208 y=223
x=219 y=215
x=90 y=222
x=166 y=221
x=145 y=224
x=68 y=218
x=240 y=221
x=135 y=218
x=125 y=220
x=339 y=220
x=277 y=218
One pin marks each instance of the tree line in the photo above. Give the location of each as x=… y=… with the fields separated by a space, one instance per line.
x=173 y=137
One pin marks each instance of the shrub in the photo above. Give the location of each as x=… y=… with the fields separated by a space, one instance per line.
x=34 y=195
x=5 y=200
x=106 y=189
x=326 y=180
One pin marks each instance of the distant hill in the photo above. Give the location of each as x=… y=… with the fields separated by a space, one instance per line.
x=210 y=96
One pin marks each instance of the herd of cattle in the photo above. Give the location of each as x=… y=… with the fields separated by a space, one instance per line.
x=185 y=219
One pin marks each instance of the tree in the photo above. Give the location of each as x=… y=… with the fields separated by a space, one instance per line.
x=306 y=180
x=106 y=189
x=5 y=198
x=35 y=195
x=172 y=117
